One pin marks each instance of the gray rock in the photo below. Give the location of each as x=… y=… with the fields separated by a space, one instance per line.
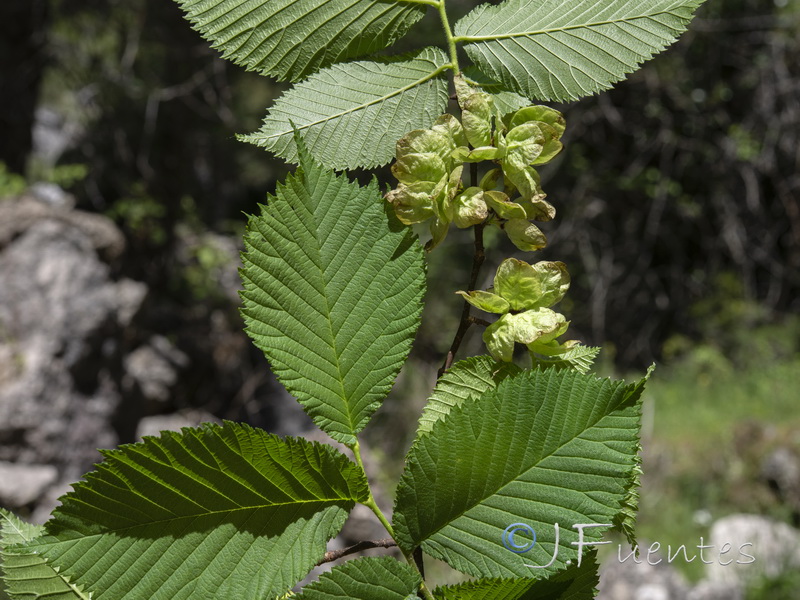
x=129 y=297
x=758 y=547
x=644 y=581
x=53 y=195
x=23 y=485
x=19 y=215
x=61 y=323
x=155 y=424
x=781 y=469
x=154 y=368
x=716 y=590
x=53 y=134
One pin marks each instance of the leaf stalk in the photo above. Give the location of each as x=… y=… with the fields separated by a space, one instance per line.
x=357 y=547
x=373 y=506
x=448 y=31
x=477 y=261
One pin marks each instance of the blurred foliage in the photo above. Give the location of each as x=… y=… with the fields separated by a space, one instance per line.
x=64 y=175
x=155 y=108
x=11 y=184
x=736 y=332
x=141 y=216
x=783 y=587
x=207 y=257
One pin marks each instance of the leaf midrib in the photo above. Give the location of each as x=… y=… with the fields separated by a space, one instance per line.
x=468 y=39
x=325 y=282
x=361 y=106
x=255 y=507
x=17 y=529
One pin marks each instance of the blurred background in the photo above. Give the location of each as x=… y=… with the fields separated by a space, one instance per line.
x=123 y=198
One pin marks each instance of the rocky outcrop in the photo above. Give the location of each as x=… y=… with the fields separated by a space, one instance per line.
x=760 y=547
x=49 y=203
x=631 y=580
x=24 y=485
x=155 y=424
x=62 y=317
x=152 y=369
x=781 y=471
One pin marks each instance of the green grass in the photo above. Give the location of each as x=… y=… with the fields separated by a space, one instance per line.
x=702 y=408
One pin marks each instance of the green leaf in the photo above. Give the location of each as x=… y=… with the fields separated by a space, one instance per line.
x=217 y=512
x=14 y=530
x=499 y=338
x=28 y=575
x=290 y=39
x=419 y=166
x=365 y=579
x=579 y=358
x=566 y=49
x=351 y=115
x=466 y=379
x=478 y=154
x=525 y=144
x=439 y=228
x=434 y=145
x=536 y=207
x=414 y=203
x=448 y=125
x=333 y=288
x=550 y=122
x=573 y=583
x=426 y=170
x=489 y=182
x=527 y=181
x=626 y=520
x=545 y=447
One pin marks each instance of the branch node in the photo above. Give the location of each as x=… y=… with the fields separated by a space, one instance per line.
x=357 y=547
